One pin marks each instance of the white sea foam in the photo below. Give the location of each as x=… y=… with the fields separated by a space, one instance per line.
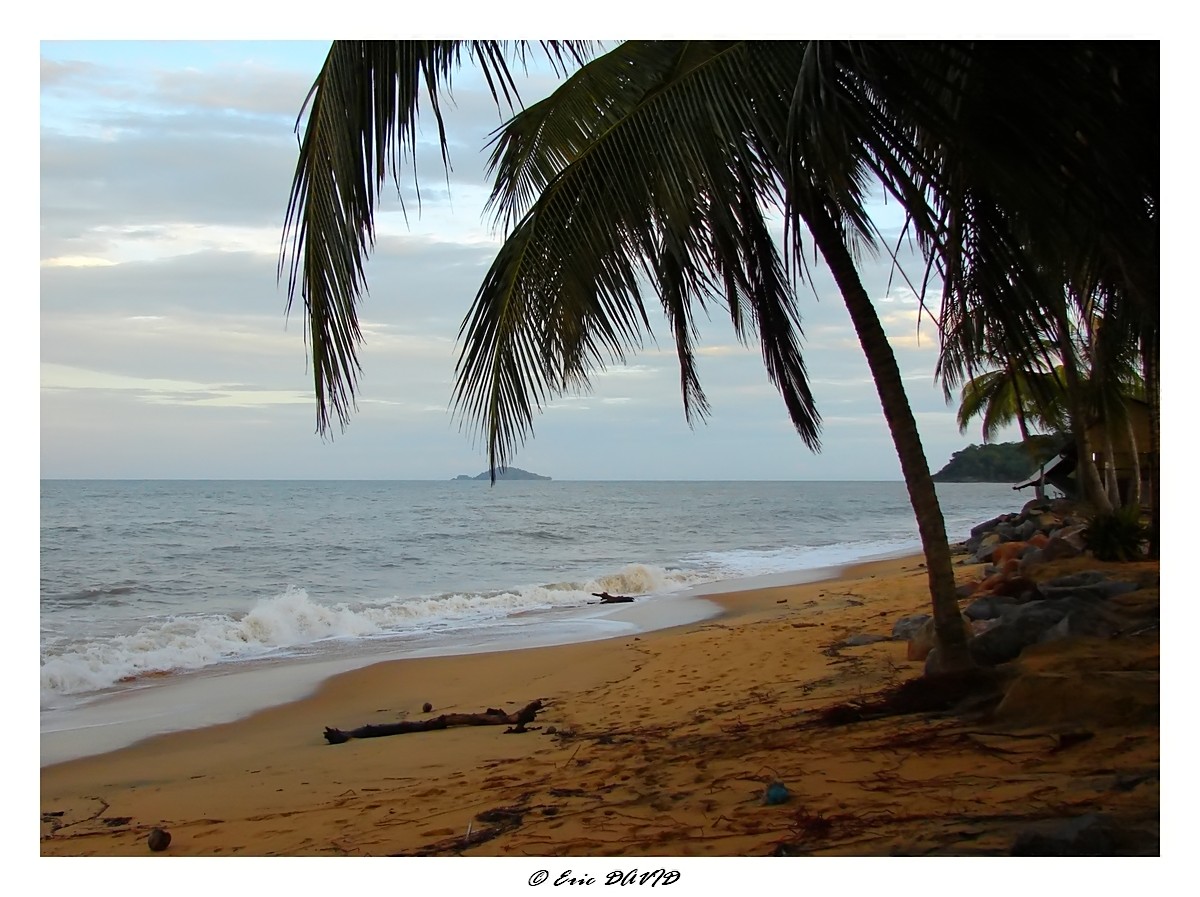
x=291 y=622
x=143 y=582
x=757 y=562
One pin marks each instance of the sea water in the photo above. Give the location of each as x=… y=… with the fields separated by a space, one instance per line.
x=161 y=599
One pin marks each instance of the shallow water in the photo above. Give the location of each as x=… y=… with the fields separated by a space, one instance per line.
x=161 y=595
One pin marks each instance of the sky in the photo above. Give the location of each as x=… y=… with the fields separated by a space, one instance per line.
x=166 y=352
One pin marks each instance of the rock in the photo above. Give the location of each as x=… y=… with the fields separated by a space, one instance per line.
x=933 y=662
x=1059 y=549
x=1008 y=551
x=1096 y=592
x=158 y=840
x=1080 y=836
x=1019 y=627
x=967 y=589
x=921 y=642
x=1026 y=530
x=988 y=607
x=1016 y=586
x=980 y=626
x=986 y=527
x=1083 y=618
x=1032 y=558
x=1082 y=578
x=986 y=546
x=989 y=585
x=426 y=707
x=906 y=627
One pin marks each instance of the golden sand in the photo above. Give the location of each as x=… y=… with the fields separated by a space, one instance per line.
x=657 y=745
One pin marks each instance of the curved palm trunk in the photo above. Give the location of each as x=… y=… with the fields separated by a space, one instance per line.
x=951 y=637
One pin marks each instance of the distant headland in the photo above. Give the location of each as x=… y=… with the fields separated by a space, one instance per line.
x=504 y=473
x=998 y=462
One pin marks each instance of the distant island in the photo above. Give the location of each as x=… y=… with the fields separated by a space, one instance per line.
x=504 y=473
x=998 y=462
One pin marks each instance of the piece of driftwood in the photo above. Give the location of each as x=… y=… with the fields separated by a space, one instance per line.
x=606 y=598
x=489 y=717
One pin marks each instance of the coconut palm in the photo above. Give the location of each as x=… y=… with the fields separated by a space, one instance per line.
x=1052 y=180
x=654 y=169
x=1006 y=396
x=1100 y=363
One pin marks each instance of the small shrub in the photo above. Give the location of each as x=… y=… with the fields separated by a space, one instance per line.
x=1119 y=536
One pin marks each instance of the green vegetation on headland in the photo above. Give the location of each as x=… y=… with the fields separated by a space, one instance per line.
x=998 y=462
x=504 y=473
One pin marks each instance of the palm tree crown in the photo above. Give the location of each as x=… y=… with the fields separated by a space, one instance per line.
x=654 y=169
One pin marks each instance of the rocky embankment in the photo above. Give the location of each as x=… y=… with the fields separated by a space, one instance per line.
x=1072 y=646
x=1035 y=583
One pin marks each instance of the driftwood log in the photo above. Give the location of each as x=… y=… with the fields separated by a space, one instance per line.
x=489 y=717
x=606 y=598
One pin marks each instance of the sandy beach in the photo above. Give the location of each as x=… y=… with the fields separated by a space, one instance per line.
x=658 y=745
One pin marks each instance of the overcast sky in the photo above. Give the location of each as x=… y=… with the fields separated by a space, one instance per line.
x=166 y=352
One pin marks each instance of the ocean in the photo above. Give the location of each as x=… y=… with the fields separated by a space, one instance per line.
x=167 y=605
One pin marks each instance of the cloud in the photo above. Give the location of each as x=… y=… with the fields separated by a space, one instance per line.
x=163 y=391
x=165 y=174
x=627 y=371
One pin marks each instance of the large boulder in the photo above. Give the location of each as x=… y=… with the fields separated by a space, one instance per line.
x=1020 y=626
x=1026 y=530
x=1008 y=551
x=921 y=642
x=989 y=607
x=981 y=529
x=906 y=627
x=1059 y=549
x=1082 y=578
x=1006 y=530
x=988 y=544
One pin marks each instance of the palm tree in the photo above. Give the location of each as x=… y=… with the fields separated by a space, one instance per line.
x=654 y=167
x=1035 y=389
x=1052 y=180
x=1002 y=397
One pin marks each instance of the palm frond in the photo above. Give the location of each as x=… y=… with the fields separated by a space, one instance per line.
x=647 y=167
x=361 y=126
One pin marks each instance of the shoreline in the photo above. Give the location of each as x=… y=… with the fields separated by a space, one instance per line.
x=238 y=690
x=658 y=744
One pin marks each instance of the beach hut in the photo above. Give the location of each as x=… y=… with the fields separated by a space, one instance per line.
x=1059 y=471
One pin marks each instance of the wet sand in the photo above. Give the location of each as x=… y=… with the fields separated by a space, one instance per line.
x=657 y=745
